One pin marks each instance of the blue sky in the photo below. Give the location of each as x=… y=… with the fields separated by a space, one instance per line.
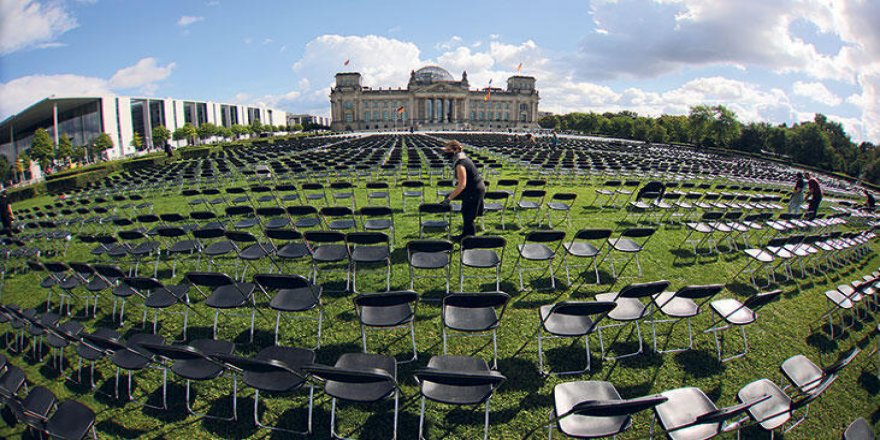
x=775 y=61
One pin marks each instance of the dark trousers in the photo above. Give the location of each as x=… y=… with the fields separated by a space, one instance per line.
x=813 y=207
x=471 y=207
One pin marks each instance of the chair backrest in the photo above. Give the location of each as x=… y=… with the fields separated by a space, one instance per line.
x=698 y=292
x=460 y=378
x=366 y=238
x=412 y=184
x=480 y=300
x=640 y=290
x=240 y=236
x=638 y=232
x=532 y=193
x=386 y=299
x=239 y=210
x=209 y=279
x=434 y=208
x=565 y=196
x=350 y=376
x=429 y=246
x=324 y=236
x=721 y=415
x=336 y=211
x=108 y=271
x=142 y=283
x=547 y=236
x=202 y=215
x=483 y=242
x=497 y=195
x=711 y=216
x=583 y=308
x=615 y=408
x=175 y=352
x=270 y=211
x=759 y=300
x=281 y=281
x=844 y=360
x=283 y=234
x=302 y=210
x=376 y=211
x=592 y=234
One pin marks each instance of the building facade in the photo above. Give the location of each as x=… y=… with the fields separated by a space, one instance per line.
x=303 y=119
x=84 y=118
x=433 y=100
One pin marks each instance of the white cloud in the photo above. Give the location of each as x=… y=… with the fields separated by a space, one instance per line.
x=187 y=20
x=19 y=93
x=142 y=73
x=30 y=23
x=213 y=3
x=817 y=92
x=273 y=101
x=451 y=43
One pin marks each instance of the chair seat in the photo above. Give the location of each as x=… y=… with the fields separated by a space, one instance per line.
x=567 y=395
x=625 y=245
x=185 y=246
x=307 y=222
x=760 y=255
x=581 y=249
x=230 y=296
x=137 y=358
x=859 y=429
x=370 y=254
x=435 y=224
x=90 y=354
x=468 y=319
x=277 y=223
x=727 y=308
x=452 y=394
x=682 y=408
x=167 y=296
x=628 y=309
x=146 y=248
x=558 y=206
x=292 y=251
x=535 y=251
x=247 y=223
x=70 y=420
x=342 y=224
x=203 y=369
x=493 y=207
x=802 y=373
x=378 y=224
x=219 y=248
x=294 y=300
x=368 y=391
x=771 y=413
x=256 y=251
x=429 y=260
x=676 y=307
x=387 y=316
x=480 y=258
x=561 y=324
x=277 y=381
x=330 y=253
x=702 y=228
x=526 y=204
x=839 y=299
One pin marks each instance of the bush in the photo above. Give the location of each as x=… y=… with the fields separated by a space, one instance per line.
x=27 y=192
x=195 y=152
x=76 y=181
x=110 y=167
x=146 y=162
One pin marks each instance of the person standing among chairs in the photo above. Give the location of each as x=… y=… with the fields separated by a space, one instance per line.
x=469 y=187
x=6 y=213
x=870 y=201
x=815 y=196
x=797 y=196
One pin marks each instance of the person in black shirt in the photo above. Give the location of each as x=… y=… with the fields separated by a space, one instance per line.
x=469 y=187
x=6 y=213
x=870 y=201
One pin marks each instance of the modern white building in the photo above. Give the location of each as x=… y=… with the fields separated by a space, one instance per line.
x=84 y=118
x=303 y=119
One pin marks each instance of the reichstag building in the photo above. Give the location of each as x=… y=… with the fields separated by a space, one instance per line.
x=433 y=100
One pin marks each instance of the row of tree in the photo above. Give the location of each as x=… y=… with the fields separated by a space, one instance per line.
x=820 y=143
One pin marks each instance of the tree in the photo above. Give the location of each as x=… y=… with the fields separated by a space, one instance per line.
x=160 y=136
x=256 y=126
x=102 y=143
x=79 y=153
x=206 y=130
x=296 y=127
x=22 y=164
x=187 y=132
x=42 y=150
x=239 y=130
x=549 y=122
x=5 y=168
x=137 y=141
x=224 y=132
x=64 y=153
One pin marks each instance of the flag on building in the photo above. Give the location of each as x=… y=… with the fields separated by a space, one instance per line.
x=400 y=109
x=519 y=67
x=488 y=94
x=346 y=62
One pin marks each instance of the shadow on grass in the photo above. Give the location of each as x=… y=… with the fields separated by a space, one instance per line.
x=700 y=363
x=112 y=428
x=522 y=375
x=822 y=341
x=870 y=382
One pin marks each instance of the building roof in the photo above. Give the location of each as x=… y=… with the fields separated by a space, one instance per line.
x=40 y=111
x=433 y=74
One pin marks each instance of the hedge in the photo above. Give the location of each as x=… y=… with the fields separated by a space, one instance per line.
x=26 y=192
x=76 y=181
x=110 y=167
x=195 y=152
x=146 y=162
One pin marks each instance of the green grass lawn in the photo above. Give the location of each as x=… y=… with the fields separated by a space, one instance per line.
x=785 y=328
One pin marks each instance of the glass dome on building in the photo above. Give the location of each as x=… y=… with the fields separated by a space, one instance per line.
x=433 y=74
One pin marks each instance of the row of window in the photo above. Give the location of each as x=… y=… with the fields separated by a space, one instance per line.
x=400 y=116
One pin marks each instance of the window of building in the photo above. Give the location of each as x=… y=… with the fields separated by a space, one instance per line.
x=506 y=116
x=385 y=115
x=473 y=115
x=482 y=116
x=367 y=116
